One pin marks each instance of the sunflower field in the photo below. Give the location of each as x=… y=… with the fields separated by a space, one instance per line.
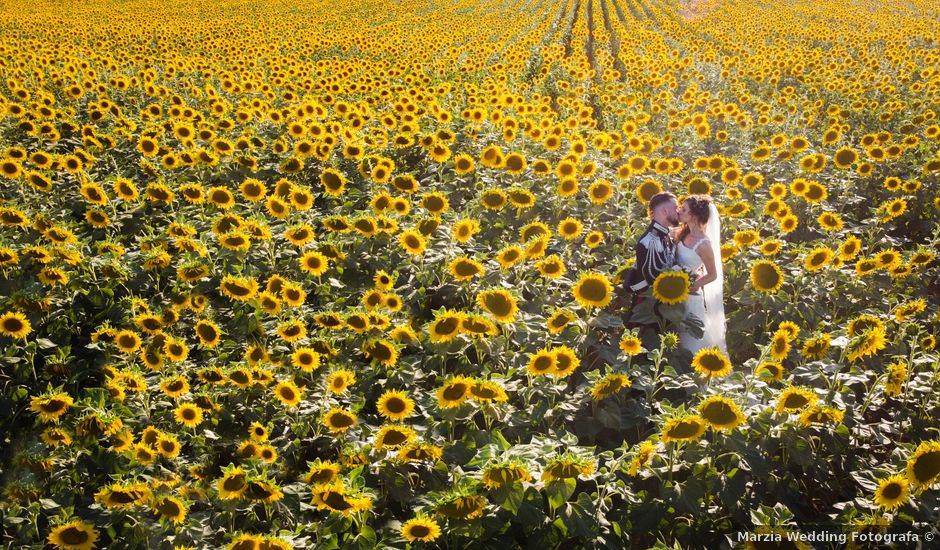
x=280 y=274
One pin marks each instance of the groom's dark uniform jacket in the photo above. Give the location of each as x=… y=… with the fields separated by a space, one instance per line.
x=655 y=253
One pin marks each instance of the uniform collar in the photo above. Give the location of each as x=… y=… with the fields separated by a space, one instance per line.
x=662 y=229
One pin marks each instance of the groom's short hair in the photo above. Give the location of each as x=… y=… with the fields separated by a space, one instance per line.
x=659 y=199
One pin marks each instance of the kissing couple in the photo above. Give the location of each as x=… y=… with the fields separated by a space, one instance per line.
x=684 y=237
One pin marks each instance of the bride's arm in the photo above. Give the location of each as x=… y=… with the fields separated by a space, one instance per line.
x=708 y=258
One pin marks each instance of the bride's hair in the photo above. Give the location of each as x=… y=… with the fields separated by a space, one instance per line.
x=698 y=207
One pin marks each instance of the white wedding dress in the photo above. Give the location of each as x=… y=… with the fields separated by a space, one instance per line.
x=708 y=303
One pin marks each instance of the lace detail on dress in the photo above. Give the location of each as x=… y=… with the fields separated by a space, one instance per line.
x=698 y=243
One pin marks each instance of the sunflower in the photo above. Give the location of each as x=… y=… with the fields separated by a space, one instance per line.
x=570 y=228
x=54 y=437
x=509 y=256
x=358 y=322
x=51 y=407
x=8 y=256
x=314 y=263
x=671 y=287
x=746 y=238
x=14 y=324
x=565 y=361
x=175 y=386
x=121 y=497
x=246 y=541
x=794 y=399
x=721 y=413
x=769 y=372
x=208 y=332
x=865 y=266
x=292 y=330
x=780 y=345
x=170 y=509
x=445 y=326
x=888 y=259
x=188 y=414
x=921 y=258
x=395 y=405
x=609 y=385
x=412 y=242
x=493 y=199
x=892 y=492
x=394 y=436
x=288 y=393
x=339 y=420
x=127 y=341
x=464 y=268
x=684 y=428
x=454 y=392
x=541 y=363
x=335 y=499
x=463 y=507
x=322 y=473
x=600 y=191
x=711 y=362
x=558 y=321
x=464 y=229
x=771 y=247
x=766 y=276
x=593 y=290
x=821 y=415
x=420 y=529
x=499 y=303
x=241 y=289
x=868 y=342
x=646 y=190
x=232 y=484
x=631 y=345
x=923 y=468
x=74 y=535
x=464 y=164
x=175 y=350
x=789 y=223
x=845 y=157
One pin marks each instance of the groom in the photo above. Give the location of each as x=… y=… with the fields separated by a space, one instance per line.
x=655 y=250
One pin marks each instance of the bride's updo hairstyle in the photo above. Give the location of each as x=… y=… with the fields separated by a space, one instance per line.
x=698 y=207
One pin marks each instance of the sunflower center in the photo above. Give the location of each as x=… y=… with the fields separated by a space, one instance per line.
x=684 y=430
x=719 y=413
x=53 y=405
x=120 y=497
x=466 y=269
x=767 y=276
x=420 y=531
x=447 y=326
x=341 y=420
x=795 y=401
x=892 y=491
x=542 y=363
x=74 y=536
x=234 y=483
x=672 y=287
x=394 y=437
x=498 y=305
x=927 y=466
x=454 y=392
x=711 y=362
x=336 y=501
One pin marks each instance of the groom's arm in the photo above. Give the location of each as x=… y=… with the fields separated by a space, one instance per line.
x=644 y=270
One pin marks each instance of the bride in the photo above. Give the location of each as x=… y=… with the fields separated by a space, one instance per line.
x=699 y=251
